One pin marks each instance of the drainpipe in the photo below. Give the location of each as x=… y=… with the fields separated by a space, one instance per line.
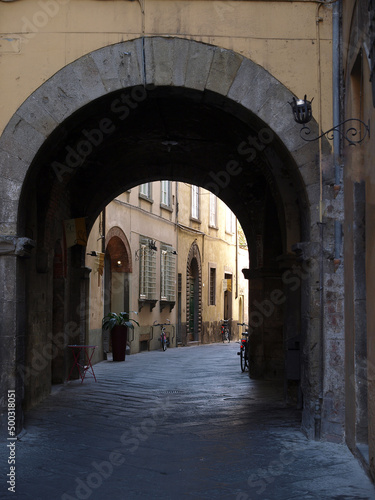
x=337 y=224
x=336 y=118
x=319 y=400
x=337 y=186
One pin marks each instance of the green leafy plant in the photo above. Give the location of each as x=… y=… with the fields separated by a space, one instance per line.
x=117 y=319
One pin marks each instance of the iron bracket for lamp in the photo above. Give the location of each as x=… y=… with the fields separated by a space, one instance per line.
x=348 y=133
x=150 y=247
x=302 y=113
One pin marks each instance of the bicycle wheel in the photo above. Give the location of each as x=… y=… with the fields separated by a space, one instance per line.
x=246 y=356
x=243 y=360
x=164 y=343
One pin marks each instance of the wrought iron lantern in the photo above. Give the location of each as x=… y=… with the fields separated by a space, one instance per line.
x=302 y=112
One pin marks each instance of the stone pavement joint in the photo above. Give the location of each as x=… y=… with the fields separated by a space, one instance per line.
x=185 y=423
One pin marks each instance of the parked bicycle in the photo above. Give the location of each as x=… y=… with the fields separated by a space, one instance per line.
x=164 y=341
x=244 y=348
x=225 y=331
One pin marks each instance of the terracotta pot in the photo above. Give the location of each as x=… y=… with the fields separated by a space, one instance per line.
x=119 y=337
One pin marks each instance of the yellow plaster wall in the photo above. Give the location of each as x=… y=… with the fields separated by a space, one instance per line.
x=37 y=38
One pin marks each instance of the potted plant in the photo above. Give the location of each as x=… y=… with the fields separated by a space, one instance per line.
x=118 y=324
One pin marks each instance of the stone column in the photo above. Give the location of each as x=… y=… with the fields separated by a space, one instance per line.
x=265 y=323
x=292 y=280
x=256 y=353
x=13 y=250
x=308 y=276
x=85 y=295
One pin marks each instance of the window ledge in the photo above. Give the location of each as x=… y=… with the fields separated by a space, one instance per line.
x=166 y=207
x=198 y=221
x=143 y=302
x=146 y=198
x=167 y=303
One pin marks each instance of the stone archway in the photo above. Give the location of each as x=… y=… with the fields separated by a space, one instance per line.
x=58 y=139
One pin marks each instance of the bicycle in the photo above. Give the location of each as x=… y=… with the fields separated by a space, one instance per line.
x=225 y=332
x=163 y=337
x=244 y=348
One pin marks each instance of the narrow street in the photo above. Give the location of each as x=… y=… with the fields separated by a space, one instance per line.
x=176 y=424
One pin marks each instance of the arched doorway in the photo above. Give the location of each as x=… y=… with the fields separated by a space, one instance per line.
x=117 y=276
x=224 y=126
x=194 y=295
x=119 y=267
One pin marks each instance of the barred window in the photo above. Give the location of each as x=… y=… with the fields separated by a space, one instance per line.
x=147 y=271
x=212 y=286
x=167 y=273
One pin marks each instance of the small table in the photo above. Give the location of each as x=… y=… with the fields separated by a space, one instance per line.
x=83 y=369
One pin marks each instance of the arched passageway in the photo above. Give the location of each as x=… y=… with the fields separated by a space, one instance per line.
x=141 y=111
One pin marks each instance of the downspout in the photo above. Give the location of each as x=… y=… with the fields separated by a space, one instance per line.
x=337 y=173
x=336 y=118
x=319 y=400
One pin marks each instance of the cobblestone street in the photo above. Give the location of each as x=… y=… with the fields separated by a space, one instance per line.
x=185 y=423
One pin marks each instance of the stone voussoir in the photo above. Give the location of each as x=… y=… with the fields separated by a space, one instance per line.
x=160 y=60
x=198 y=65
x=88 y=75
x=223 y=70
x=34 y=114
x=129 y=60
x=246 y=74
x=62 y=94
x=106 y=61
x=10 y=189
x=20 y=139
x=12 y=167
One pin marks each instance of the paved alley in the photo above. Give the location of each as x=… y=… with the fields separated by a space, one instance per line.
x=185 y=423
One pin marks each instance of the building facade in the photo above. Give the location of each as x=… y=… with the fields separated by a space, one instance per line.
x=171 y=254
x=358 y=65
x=197 y=93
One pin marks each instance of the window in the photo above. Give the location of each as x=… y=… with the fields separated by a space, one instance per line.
x=167 y=273
x=145 y=190
x=147 y=271
x=212 y=285
x=195 y=202
x=166 y=193
x=230 y=222
x=213 y=210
